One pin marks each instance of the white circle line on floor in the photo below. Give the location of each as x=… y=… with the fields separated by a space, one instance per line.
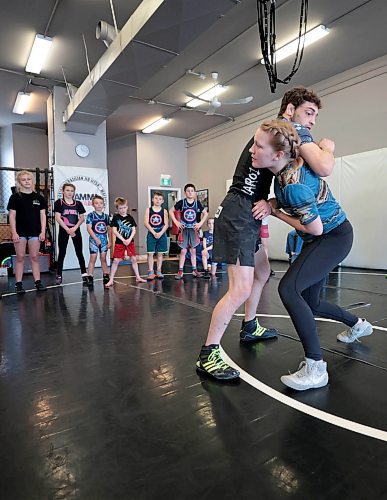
x=329 y=418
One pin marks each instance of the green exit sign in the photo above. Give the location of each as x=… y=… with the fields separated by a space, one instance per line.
x=165 y=180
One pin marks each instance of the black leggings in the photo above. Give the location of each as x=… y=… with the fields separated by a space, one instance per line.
x=300 y=288
x=63 y=239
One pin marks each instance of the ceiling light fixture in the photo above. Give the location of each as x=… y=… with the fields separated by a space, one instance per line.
x=208 y=95
x=291 y=48
x=38 y=54
x=22 y=100
x=156 y=125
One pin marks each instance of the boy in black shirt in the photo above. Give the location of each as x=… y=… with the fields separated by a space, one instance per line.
x=189 y=209
x=124 y=229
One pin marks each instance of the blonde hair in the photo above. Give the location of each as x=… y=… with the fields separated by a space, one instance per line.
x=284 y=137
x=120 y=201
x=18 y=177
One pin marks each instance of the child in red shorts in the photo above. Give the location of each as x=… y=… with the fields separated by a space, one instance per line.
x=124 y=228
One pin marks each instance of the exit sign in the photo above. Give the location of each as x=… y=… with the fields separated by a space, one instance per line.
x=165 y=180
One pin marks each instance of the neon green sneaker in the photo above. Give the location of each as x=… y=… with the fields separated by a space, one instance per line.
x=260 y=333
x=210 y=362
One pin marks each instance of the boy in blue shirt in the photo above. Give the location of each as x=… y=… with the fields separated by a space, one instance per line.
x=156 y=221
x=98 y=227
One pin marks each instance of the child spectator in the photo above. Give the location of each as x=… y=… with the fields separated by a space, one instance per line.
x=156 y=221
x=27 y=218
x=70 y=215
x=124 y=229
x=98 y=227
x=208 y=239
x=189 y=209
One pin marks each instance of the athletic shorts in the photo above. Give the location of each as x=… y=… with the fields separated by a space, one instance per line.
x=119 y=250
x=154 y=245
x=104 y=245
x=188 y=238
x=236 y=232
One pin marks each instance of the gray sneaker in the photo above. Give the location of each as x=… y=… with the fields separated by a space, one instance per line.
x=311 y=374
x=352 y=334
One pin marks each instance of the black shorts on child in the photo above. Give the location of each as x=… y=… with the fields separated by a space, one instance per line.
x=236 y=232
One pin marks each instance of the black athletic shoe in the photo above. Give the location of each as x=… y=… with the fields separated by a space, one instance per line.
x=206 y=275
x=260 y=333
x=90 y=281
x=85 y=279
x=40 y=287
x=210 y=362
x=19 y=288
x=105 y=279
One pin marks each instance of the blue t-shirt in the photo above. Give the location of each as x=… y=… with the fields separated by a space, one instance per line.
x=303 y=194
x=209 y=237
x=99 y=223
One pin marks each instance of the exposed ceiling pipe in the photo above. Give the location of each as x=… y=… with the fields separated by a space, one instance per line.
x=51 y=17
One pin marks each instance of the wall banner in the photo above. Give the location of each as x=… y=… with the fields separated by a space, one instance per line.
x=88 y=182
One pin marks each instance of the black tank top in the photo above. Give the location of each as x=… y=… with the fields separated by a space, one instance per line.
x=156 y=219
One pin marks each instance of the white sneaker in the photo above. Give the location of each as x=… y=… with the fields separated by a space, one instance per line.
x=361 y=330
x=311 y=374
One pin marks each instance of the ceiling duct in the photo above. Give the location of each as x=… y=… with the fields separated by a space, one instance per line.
x=125 y=65
x=106 y=32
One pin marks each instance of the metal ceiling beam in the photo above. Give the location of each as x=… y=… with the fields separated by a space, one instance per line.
x=112 y=55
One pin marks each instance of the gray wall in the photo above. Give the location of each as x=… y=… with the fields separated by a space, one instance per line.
x=6 y=147
x=62 y=144
x=135 y=163
x=354 y=115
x=157 y=155
x=122 y=173
x=30 y=147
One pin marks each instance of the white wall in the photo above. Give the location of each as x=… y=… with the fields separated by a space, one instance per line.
x=157 y=155
x=354 y=114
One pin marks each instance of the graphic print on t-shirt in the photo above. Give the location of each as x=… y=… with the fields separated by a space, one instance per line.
x=188 y=213
x=69 y=212
x=124 y=225
x=99 y=223
x=156 y=219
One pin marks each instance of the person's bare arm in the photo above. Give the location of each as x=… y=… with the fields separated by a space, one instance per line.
x=177 y=223
x=320 y=157
x=146 y=222
x=61 y=222
x=12 y=223
x=43 y=221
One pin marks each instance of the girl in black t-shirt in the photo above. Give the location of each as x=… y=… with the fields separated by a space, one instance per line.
x=27 y=218
x=69 y=214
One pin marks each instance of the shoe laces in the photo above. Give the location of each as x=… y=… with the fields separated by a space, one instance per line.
x=216 y=357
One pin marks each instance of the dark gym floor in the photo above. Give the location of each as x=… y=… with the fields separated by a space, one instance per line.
x=99 y=398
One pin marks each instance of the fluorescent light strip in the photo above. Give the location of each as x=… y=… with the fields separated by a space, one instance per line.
x=38 y=54
x=22 y=100
x=156 y=125
x=208 y=94
x=291 y=48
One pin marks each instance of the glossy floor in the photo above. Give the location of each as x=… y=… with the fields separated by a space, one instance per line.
x=99 y=398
